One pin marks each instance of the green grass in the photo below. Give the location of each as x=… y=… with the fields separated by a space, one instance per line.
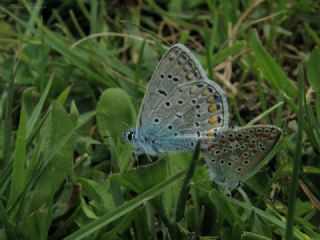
x=72 y=77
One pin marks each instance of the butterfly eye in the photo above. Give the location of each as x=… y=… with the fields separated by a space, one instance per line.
x=130 y=135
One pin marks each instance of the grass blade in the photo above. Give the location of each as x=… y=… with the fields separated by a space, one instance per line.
x=37 y=110
x=270 y=69
x=185 y=186
x=8 y=115
x=270 y=218
x=265 y=113
x=296 y=162
x=19 y=157
x=125 y=208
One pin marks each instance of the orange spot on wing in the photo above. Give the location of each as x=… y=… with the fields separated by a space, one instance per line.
x=213 y=145
x=205 y=92
x=210 y=133
x=213 y=120
x=266 y=134
x=252 y=145
x=231 y=137
x=238 y=137
x=197 y=74
x=189 y=76
x=210 y=99
x=212 y=108
x=223 y=140
x=259 y=132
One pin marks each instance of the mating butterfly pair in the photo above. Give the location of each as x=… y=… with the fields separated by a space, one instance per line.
x=181 y=106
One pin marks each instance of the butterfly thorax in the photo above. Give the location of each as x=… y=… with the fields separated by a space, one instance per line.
x=141 y=144
x=182 y=107
x=154 y=141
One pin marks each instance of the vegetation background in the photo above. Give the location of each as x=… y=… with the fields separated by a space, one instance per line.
x=73 y=74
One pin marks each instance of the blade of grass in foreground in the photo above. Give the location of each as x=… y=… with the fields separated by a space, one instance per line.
x=270 y=217
x=228 y=211
x=265 y=113
x=8 y=114
x=37 y=110
x=297 y=160
x=4 y=223
x=183 y=197
x=272 y=72
x=19 y=158
x=125 y=208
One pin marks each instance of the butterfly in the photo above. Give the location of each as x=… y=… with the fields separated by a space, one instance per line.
x=236 y=152
x=181 y=107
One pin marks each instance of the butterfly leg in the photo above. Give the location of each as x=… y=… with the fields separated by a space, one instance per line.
x=239 y=184
x=135 y=158
x=149 y=158
x=227 y=192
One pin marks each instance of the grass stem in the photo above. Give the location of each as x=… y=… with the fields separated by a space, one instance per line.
x=296 y=162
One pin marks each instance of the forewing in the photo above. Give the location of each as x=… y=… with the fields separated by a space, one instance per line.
x=238 y=151
x=193 y=110
x=178 y=77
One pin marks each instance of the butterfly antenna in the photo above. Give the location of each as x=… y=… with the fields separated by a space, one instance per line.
x=197 y=186
x=201 y=182
x=148 y=31
x=126 y=124
x=135 y=158
x=149 y=158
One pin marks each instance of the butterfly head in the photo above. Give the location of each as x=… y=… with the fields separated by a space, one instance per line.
x=130 y=136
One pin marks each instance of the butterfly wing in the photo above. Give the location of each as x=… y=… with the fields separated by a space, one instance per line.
x=237 y=152
x=180 y=103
